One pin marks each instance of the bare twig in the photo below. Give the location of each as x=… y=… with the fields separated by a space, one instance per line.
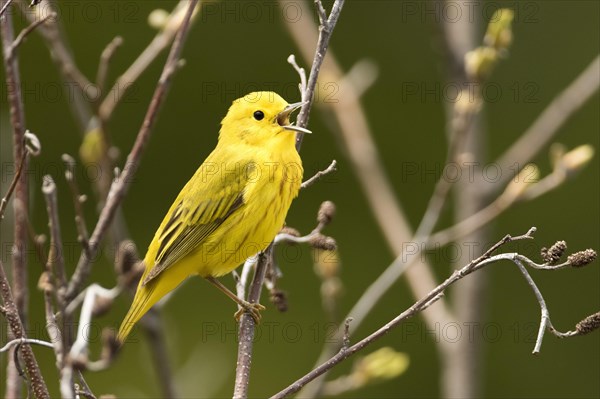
x=326 y=27
x=357 y=138
x=549 y=122
x=247 y=328
x=62 y=56
x=160 y=42
x=121 y=184
x=346 y=337
x=247 y=325
x=85 y=390
x=11 y=314
x=105 y=58
x=5 y=7
x=330 y=169
x=302 y=74
x=12 y=186
x=21 y=341
x=21 y=197
x=82 y=230
x=421 y=304
x=91 y=295
x=55 y=269
x=55 y=256
x=25 y=32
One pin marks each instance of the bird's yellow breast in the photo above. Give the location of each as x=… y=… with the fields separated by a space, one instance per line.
x=273 y=181
x=272 y=186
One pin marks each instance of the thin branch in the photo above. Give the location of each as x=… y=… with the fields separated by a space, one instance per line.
x=121 y=184
x=63 y=58
x=92 y=293
x=55 y=256
x=160 y=42
x=357 y=139
x=85 y=388
x=21 y=341
x=55 y=269
x=20 y=203
x=82 y=231
x=302 y=74
x=5 y=7
x=105 y=58
x=25 y=32
x=549 y=122
x=491 y=212
x=247 y=327
x=11 y=314
x=418 y=307
x=327 y=25
x=346 y=336
x=12 y=186
x=330 y=169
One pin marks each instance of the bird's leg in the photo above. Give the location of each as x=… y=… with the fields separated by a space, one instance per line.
x=252 y=308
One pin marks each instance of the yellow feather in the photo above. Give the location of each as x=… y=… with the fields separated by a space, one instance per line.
x=231 y=208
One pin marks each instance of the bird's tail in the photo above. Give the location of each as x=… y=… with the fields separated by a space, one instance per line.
x=147 y=295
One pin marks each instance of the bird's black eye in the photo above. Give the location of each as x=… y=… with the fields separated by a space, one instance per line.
x=259 y=115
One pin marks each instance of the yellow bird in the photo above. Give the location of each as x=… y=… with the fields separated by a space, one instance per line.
x=231 y=208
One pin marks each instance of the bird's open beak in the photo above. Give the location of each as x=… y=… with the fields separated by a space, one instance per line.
x=283 y=118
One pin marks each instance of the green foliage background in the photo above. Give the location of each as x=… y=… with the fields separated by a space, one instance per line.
x=233 y=50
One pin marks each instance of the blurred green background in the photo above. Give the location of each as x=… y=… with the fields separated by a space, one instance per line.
x=237 y=47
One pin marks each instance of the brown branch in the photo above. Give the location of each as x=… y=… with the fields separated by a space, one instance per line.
x=326 y=27
x=15 y=325
x=160 y=42
x=247 y=324
x=419 y=306
x=357 y=140
x=82 y=231
x=105 y=58
x=13 y=185
x=55 y=269
x=121 y=183
x=5 y=7
x=21 y=193
x=25 y=32
x=549 y=122
x=63 y=58
x=22 y=341
x=330 y=169
x=55 y=256
x=247 y=327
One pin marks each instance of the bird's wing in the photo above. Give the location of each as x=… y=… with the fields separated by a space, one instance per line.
x=198 y=213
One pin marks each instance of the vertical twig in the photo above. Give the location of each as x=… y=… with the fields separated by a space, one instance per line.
x=15 y=325
x=326 y=27
x=17 y=119
x=247 y=328
x=247 y=324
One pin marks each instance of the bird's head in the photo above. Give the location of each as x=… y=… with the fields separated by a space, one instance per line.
x=260 y=118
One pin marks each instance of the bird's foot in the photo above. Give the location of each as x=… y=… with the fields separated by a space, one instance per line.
x=253 y=309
